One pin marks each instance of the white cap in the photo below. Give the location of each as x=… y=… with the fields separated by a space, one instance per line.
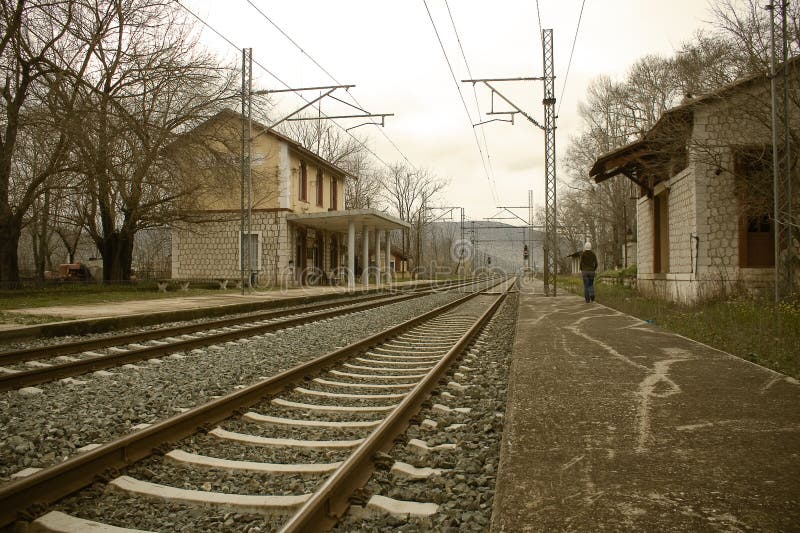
x=587 y=246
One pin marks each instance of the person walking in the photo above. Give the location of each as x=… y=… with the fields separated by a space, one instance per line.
x=588 y=269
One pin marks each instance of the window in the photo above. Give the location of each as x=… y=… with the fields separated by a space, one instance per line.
x=334 y=194
x=319 y=187
x=757 y=242
x=303 y=185
x=753 y=173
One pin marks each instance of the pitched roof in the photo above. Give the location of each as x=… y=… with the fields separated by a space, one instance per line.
x=650 y=147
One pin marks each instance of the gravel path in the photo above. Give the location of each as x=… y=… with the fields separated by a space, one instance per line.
x=42 y=429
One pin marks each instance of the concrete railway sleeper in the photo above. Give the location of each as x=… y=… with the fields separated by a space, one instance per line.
x=314 y=421
x=78 y=358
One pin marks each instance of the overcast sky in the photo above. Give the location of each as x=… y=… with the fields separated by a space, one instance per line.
x=390 y=52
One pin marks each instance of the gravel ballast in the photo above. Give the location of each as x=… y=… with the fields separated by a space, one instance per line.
x=465 y=490
x=38 y=430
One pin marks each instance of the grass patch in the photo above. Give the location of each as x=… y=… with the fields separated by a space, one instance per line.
x=762 y=332
x=22 y=319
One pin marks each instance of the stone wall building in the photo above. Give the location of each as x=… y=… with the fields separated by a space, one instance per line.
x=297 y=230
x=705 y=223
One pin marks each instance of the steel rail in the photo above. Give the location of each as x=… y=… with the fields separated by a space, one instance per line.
x=54 y=350
x=321 y=511
x=24 y=497
x=51 y=351
x=27 y=378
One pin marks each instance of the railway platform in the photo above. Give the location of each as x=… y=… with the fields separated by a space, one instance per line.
x=614 y=424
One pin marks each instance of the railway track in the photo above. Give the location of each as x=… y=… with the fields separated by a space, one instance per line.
x=349 y=404
x=64 y=360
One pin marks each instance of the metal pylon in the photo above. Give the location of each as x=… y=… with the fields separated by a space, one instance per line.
x=549 y=128
x=781 y=154
x=550 y=223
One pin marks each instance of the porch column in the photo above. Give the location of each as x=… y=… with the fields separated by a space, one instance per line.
x=388 y=257
x=365 y=256
x=378 y=235
x=351 y=255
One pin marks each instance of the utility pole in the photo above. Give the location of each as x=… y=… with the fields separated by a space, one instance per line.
x=549 y=128
x=250 y=171
x=549 y=102
x=781 y=152
x=530 y=228
x=461 y=261
x=247 y=84
x=447 y=211
x=246 y=150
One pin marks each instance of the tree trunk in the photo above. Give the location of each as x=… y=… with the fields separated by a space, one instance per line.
x=117 y=252
x=9 y=242
x=42 y=250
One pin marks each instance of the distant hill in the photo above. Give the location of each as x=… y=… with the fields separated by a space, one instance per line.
x=502 y=242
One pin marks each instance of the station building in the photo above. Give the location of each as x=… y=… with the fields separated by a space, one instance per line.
x=705 y=215
x=298 y=231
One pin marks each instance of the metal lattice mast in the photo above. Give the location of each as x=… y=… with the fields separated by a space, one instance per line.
x=549 y=129
x=530 y=229
x=550 y=223
x=247 y=54
x=781 y=156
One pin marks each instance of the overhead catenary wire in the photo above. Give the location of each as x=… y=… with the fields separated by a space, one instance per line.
x=539 y=18
x=569 y=63
x=461 y=96
x=331 y=76
x=279 y=80
x=475 y=94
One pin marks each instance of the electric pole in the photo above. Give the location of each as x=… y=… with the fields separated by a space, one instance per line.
x=247 y=87
x=549 y=128
x=247 y=93
x=781 y=152
x=549 y=102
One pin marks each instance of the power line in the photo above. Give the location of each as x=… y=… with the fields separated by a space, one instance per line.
x=539 y=17
x=331 y=76
x=569 y=64
x=265 y=69
x=475 y=94
x=219 y=34
x=461 y=95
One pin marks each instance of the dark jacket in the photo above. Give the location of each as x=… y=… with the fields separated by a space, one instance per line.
x=588 y=261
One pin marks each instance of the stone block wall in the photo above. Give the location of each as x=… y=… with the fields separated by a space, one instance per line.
x=644 y=236
x=719 y=130
x=210 y=250
x=703 y=202
x=682 y=218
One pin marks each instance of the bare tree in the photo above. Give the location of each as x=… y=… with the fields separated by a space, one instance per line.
x=324 y=138
x=363 y=191
x=30 y=32
x=147 y=82
x=409 y=192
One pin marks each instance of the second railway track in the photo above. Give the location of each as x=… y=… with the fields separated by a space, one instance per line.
x=32 y=366
x=380 y=377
